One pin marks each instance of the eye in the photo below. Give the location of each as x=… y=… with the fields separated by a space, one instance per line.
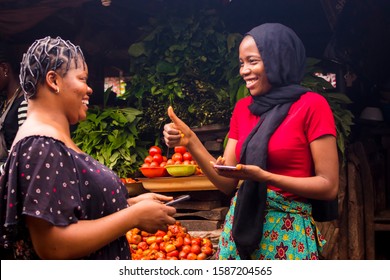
x=253 y=60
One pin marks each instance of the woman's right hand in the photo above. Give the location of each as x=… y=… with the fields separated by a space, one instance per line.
x=176 y=133
x=153 y=215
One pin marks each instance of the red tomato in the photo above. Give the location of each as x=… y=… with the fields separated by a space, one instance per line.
x=175 y=229
x=170 y=162
x=135 y=239
x=178 y=242
x=195 y=249
x=186 y=162
x=207 y=242
x=145 y=165
x=196 y=241
x=160 y=233
x=187 y=240
x=142 y=245
x=187 y=156
x=186 y=249
x=154 y=246
x=163 y=164
x=201 y=256
x=154 y=164
x=182 y=255
x=154 y=150
x=159 y=239
x=158 y=158
x=207 y=250
x=148 y=159
x=191 y=256
x=160 y=255
x=180 y=149
x=174 y=253
x=177 y=157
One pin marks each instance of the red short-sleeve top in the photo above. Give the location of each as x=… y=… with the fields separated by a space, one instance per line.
x=288 y=149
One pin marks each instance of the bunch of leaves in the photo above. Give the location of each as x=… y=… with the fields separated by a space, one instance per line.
x=337 y=101
x=189 y=61
x=111 y=136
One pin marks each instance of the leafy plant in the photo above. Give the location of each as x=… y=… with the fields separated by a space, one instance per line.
x=111 y=136
x=337 y=101
x=189 y=62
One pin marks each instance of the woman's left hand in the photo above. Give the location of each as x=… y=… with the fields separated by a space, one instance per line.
x=151 y=195
x=244 y=172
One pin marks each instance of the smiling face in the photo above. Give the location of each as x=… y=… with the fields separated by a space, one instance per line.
x=252 y=67
x=75 y=93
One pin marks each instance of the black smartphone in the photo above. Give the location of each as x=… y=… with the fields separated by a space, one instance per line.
x=178 y=199
x=225 y=167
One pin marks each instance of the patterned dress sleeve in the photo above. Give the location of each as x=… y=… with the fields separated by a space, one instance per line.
x=42 y=183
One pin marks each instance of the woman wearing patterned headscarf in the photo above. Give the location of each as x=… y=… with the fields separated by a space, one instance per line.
x=56 y=201
x=282 y=139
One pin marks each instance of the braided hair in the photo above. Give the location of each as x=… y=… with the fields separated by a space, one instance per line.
x=45 y=55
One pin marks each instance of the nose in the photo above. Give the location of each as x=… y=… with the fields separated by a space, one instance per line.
x=89 y=90
x=244 y=70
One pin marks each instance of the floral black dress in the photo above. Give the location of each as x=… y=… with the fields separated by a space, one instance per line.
x=45 y=179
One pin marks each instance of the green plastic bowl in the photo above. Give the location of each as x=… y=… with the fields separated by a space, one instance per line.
x=180 y=170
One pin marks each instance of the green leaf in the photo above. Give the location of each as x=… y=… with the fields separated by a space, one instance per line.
x=137 y=49
x=165 y=67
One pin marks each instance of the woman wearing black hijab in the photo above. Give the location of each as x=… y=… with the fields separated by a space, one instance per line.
x=283 y=138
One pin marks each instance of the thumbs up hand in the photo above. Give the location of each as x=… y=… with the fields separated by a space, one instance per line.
x=176 y=133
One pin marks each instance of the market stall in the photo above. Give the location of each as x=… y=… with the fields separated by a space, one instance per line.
x=203 y=213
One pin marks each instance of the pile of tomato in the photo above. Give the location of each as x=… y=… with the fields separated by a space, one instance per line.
x=155 y=158
x=174 y=244
x=180 y=156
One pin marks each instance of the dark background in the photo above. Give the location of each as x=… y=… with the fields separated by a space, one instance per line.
x=353 y=35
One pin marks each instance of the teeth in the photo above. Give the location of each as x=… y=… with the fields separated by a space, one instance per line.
x=85 y=102
x=250 y=82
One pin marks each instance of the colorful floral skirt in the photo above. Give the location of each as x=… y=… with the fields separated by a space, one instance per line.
x=289 y=232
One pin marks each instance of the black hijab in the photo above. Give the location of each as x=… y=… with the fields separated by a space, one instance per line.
x=284 y=60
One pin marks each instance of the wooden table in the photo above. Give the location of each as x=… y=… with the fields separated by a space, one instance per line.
x=205 y=211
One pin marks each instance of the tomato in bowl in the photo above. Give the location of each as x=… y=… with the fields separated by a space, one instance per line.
x=152 y=172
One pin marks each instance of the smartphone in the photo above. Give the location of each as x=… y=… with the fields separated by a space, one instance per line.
x=178 y=199
x=225 y=167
